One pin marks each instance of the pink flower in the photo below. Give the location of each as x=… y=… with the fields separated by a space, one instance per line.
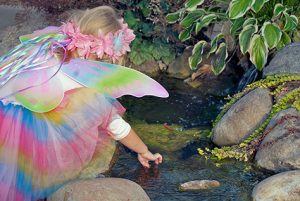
x=114 y=45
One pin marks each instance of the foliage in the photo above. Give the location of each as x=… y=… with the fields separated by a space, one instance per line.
x=278 y=84
x=153 y=34
x=145 y=17
x=257 y=26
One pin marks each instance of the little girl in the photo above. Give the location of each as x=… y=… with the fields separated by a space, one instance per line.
x=58 y=101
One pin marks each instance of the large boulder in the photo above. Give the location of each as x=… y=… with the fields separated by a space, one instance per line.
x=286 y=61
x=280 y=149
x=281 y=187
x=243 y=118
x=108 y=189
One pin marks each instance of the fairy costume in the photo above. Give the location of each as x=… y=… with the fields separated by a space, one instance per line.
x=51 y=110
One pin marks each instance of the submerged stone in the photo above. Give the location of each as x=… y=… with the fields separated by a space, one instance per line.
x=166 y=137
x=199 y=185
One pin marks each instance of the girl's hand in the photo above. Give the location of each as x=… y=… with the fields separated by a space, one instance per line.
x=144 y=158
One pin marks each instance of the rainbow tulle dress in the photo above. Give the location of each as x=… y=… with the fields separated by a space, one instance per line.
x=49 y=134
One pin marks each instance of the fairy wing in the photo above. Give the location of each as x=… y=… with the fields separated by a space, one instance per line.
x=112 y=79
x=27 y=74
x=38 y=33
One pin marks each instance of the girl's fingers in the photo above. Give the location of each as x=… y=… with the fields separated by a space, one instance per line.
x=146 y=164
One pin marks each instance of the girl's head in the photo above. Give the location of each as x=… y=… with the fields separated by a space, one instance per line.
x=98 y=34
x=102 y=17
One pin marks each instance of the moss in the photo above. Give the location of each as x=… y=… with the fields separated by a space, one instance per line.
x=164 y=137
x=277 y=84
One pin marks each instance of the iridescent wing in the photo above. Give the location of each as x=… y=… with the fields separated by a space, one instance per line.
x=112 y=79
x=38 y=33
x=27 y=72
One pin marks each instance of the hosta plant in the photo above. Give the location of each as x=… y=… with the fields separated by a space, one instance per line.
x=256 y=26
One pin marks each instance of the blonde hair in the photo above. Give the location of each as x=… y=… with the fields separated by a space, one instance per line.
x=102 y=18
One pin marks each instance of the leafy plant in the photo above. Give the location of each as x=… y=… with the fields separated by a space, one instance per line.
x=257 y=26
x=146 y=18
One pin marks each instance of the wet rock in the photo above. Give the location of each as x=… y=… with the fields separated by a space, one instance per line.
x=280 y=149
x=286 y=61
x=281 y=187
x=199 y=185
x=164 y=137
x=102 y=161
x=243 y=118
x=108 y=189
x=179 y=68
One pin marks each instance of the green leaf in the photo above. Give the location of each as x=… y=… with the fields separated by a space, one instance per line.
x=214 y=43
x=258 y=51
x=196 y=57
x=285 y=40
x=144 y=7
x=192 y=17
x=238 y=8
x=271 y=33
x=250 y=21
x=130 y=19
x=219 y=59
x=205 y=21
x=174 y=17
x=237 y=25
x=168 y=59
x=245 y=37
x=185 y=34
x=291 y=22
x=192 y=4
x=278 y=9
x=258 y=4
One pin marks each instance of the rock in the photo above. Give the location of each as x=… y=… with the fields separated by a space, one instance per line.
x=179 y=68
x=163 y=137
x=199 y=185
x=149 y=67
x=286 y=61
x=243 y=118
x=102 y=161
x=26 y=20
x=281 y=187
x=108 y=189
x=280 y=149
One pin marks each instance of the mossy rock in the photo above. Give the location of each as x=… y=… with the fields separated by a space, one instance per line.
x=166 y=138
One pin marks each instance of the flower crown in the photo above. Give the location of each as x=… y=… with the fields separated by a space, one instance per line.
x=114 y=45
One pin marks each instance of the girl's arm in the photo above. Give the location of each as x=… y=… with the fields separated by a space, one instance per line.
x=123 y=132
x=134 y=142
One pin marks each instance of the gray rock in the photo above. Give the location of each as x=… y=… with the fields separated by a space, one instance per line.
x=108 y=189
x=281 y=187
x=179 y=68
x=243 y=118
x=280 y=149
x=199 y=185
x=286 y=61
x=102 y=161
x=26 y=20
